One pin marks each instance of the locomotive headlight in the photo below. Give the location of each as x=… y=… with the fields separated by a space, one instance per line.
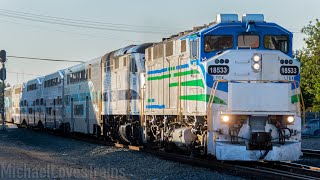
x=290 y=119
x=256 y=66
x=225 y=118
x=256 y=58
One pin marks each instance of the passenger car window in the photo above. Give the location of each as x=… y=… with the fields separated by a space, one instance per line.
x=248 y=41
x=217 y=43
x=276 y=43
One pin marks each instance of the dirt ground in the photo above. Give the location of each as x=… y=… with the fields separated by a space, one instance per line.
x=26 y=154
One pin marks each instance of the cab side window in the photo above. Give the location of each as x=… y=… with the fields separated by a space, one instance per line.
x=276 y=42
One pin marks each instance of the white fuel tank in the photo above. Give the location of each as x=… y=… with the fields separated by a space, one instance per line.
x=183 y=137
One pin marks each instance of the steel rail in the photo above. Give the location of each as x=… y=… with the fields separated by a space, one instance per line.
x=266 y=170
x=311 y=153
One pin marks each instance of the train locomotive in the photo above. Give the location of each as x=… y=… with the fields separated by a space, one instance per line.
x=229 y=89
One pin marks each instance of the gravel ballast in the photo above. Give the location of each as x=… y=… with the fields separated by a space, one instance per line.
x=310 y=143
x=25 y=154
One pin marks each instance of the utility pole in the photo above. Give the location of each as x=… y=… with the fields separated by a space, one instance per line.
x=3 y=58
x=63 y=98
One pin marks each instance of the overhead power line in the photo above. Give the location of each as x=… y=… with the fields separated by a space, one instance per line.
x=77 y=20
x=13 y=72
x=78 y=23
x=73 y=32
x=45 y=59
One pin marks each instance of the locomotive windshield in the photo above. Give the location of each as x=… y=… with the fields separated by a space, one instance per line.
x=217 y=43
x=276 y=43
x=248 y=41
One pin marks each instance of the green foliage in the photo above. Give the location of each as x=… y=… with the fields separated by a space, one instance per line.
x=310 y=65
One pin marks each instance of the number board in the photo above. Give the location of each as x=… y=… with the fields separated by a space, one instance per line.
x=289 y=70
x=218 y=69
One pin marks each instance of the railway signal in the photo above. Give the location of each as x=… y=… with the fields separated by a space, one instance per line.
x=3 y=74
x=3 y=58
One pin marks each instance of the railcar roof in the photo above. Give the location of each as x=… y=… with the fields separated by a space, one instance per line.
x=127 y=50
x=139 y=48
x=59 y=73
x=82 y=65
x=122 y=51
x=37 y=80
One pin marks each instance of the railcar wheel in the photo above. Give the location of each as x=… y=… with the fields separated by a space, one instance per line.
x=169 y=147
x=24 y=122
x=65 y=128
x=96 y=131
x=40 y=125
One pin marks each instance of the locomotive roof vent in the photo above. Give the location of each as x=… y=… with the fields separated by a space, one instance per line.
x=253 y=17
x=227 y=18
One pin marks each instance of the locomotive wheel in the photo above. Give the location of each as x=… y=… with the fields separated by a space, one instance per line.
x=169 y=147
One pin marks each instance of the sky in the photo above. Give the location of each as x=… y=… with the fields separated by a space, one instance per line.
x=81 y=30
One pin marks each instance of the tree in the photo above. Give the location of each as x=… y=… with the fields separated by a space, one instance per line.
x=310 y=65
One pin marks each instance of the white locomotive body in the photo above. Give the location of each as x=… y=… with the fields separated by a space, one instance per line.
x=230 y=90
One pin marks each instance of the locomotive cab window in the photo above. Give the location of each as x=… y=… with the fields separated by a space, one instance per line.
x=248 y=41
x=276 y=42
x=217 y=43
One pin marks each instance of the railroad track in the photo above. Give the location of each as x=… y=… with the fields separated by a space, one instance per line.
x=311 y=153
x=310 y=136
x=259 y=170
x=286 y=170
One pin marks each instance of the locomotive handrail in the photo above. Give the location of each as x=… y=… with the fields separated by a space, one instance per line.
x=210 y=102
x=142 y=119
x=303 y=109
x=179 y=90
x=300 y=105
